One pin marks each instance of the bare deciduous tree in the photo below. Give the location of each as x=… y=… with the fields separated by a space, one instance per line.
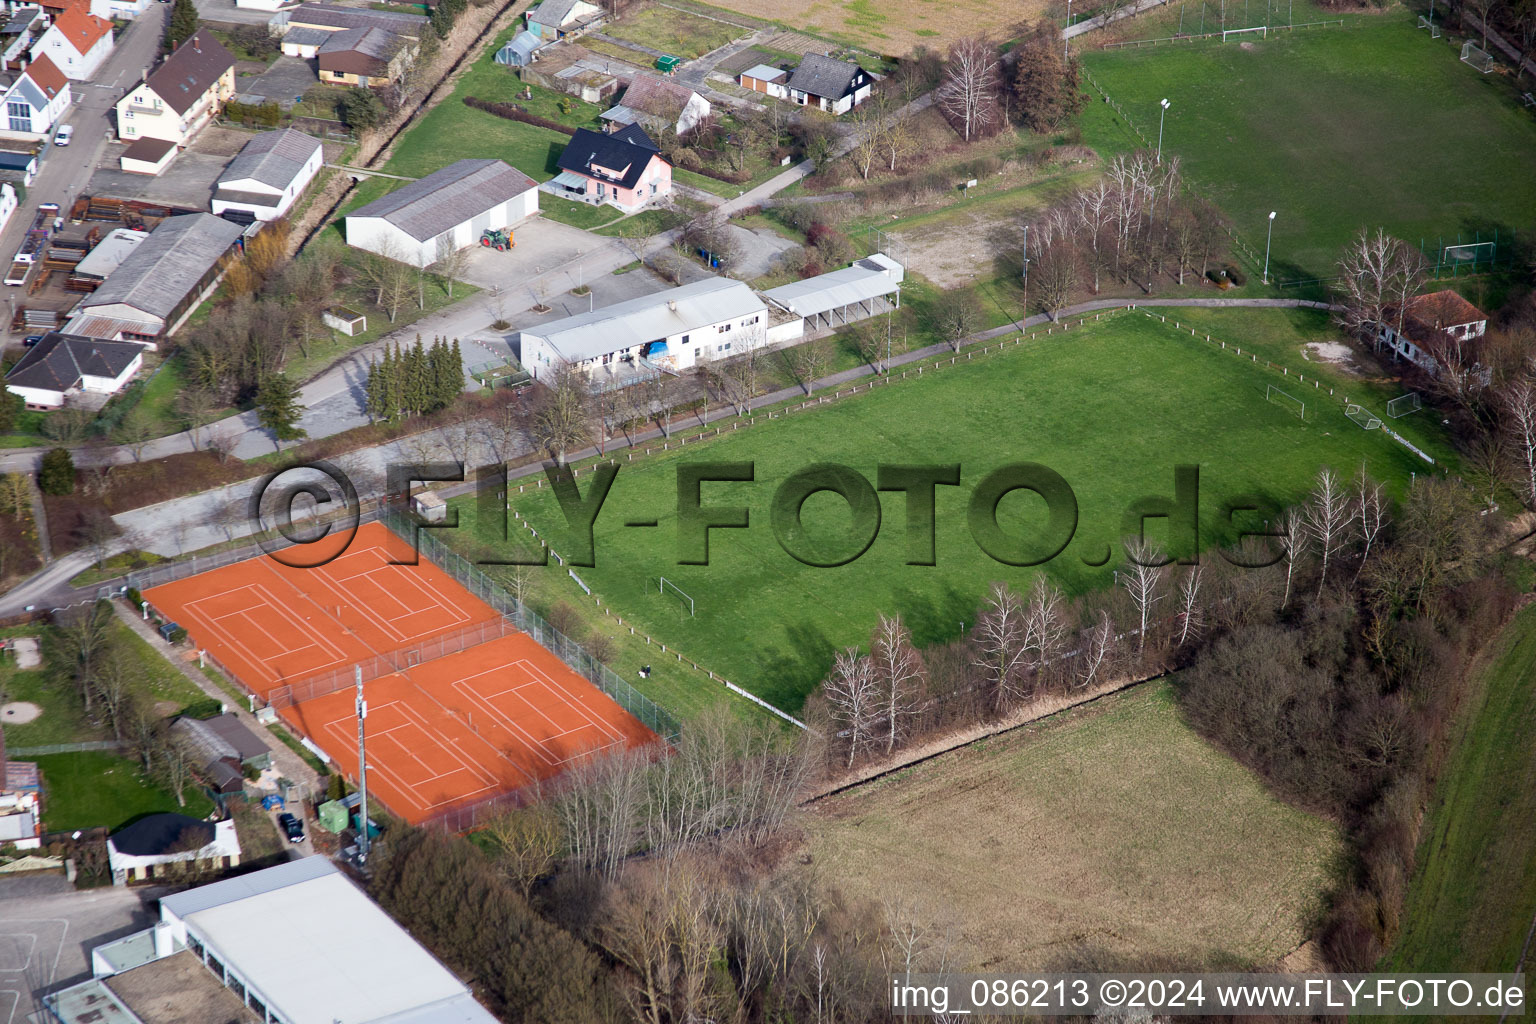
x=452 y=261
x=1000 y=636
x=968 y=93
x=898 y=669
x=1328 y=519
x=1520 y=432
x=1191 y=612
x=528 y=843
x=1099 y=642
x=562 y=421
x=1142 y=580
x=1293 y=537
x=854 y=697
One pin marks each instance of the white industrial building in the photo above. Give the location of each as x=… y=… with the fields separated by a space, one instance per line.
x=669 y=331
x=295 y=944
x=268 y=175
x=447 y=210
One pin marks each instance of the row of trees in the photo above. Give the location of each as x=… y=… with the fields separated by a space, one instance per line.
x=411 y=381
x=1035 y=84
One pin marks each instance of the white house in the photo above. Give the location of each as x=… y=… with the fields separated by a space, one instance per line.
x=181 y=95
x=78 y=43
x=155 y=845
x=35 y=100
x=269 y=174
x=1436 y=328
x=654 y=102
x=447 y=210
x=670 y=330
x=836 y=86
x=24 y=25
x=63 y=365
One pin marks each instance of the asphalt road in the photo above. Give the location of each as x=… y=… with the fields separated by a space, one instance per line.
x=64 y=170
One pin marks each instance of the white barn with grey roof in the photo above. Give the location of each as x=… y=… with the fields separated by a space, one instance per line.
x=165 y=275
x=670 y=330
x=449 y=209
x=269 y=174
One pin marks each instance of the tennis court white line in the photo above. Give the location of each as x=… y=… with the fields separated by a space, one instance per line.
x=540 y=745
x=433 y=597
x=215 y=624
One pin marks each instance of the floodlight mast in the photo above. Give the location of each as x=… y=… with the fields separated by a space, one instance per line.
x=362 y=769
x=1066 y=40
x=1160 y=118
x=1269 y=238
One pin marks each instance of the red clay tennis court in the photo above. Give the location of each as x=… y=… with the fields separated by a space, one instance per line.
x=456 y=729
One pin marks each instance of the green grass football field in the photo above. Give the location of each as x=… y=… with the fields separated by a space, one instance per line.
x=1333 y=129
x=1112 y=408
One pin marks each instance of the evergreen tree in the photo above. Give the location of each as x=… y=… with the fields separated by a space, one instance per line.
x=396 y=384
x=182 y=25
x=456 y=367
x=11 y=406
x=417 y=389
x=277 y=409
x=57 y=475
x=377 y=387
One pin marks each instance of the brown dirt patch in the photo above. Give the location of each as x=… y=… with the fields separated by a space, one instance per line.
x=1113 y=826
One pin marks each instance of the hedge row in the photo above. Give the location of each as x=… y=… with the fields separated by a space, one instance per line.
x=513 y=112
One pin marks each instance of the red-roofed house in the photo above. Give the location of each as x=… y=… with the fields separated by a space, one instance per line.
x=77 y=42
x=35 y=100
x=101 y=8
x=1438 y=330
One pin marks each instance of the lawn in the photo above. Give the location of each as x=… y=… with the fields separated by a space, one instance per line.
x=1334 y=129
x=96 y=788
x=1112 y=408
x=1473 y=895
x=452 y=131
x=673 y=31
x=1113 y=825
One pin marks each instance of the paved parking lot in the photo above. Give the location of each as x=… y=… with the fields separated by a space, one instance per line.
x=188 y=181
x=541 y=246
x=47 y=932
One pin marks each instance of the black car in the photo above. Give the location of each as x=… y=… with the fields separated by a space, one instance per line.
x=292 y=827
x=30 y=340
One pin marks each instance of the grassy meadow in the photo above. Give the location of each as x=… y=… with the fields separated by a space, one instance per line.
x=1315 y=126
x=1112 y=408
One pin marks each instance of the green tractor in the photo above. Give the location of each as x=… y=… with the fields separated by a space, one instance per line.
x=500 y=240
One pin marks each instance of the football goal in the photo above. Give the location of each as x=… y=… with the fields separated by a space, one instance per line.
x=1477 y=58
x=1434 y=30
x=1262 y=30
x=667 y=586
x=1468 y=254
x=1362 y=416
x=1402 y=405
x=1284 y=398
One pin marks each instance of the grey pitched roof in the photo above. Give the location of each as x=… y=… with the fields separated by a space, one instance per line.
x=336 y=16
x=272 y=158
x=167 y=265
x=304 y=35
x=190 y=70
x=221 y=736
x=373 y=41
x=59 y=361
x=156 y=834
x=822 y=76
x=234 y=195
x=552 y=12
x=651 y=95
x=459 y=192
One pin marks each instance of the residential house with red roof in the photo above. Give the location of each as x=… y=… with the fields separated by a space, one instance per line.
x=77 y=42
x=35 y=99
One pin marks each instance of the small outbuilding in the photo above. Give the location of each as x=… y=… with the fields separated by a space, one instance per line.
x=162 y=845
x=268 y=175
x=520 y=50
x=344 y=319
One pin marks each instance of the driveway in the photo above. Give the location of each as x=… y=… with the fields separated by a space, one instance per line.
x=542 y=244
x=188 y=181
x=285 y=82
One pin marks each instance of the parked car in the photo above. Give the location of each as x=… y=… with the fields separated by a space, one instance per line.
x=292 y=827
x=30 y=340
x=65 y=133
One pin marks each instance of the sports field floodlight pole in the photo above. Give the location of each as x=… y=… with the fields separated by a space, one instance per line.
x=1160 y=118
x=1066 y=40
x=1268 y=238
